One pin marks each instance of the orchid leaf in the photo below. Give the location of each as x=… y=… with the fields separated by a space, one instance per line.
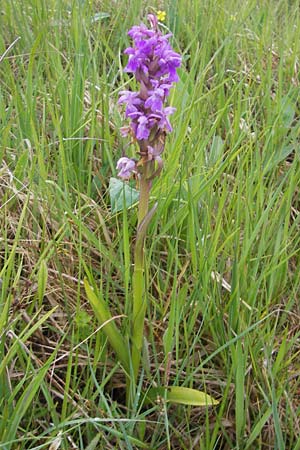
x=182 y=395
x=121 y=194
x=110 y=329
x=141 y=231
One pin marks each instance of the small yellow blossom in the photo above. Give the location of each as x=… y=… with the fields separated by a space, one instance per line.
x=161 y=15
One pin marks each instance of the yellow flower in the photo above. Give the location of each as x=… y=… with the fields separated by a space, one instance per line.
x=161 y=16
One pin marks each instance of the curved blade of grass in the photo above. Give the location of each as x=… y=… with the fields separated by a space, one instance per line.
x=30 y=328
x=24 y=402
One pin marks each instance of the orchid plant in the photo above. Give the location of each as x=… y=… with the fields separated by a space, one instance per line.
x=154 y=64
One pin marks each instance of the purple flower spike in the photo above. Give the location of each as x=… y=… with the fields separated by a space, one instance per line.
x=154 y=64
x=125 y=166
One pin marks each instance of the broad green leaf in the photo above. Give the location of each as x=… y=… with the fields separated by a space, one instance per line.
x=182 y=395
x=120 y=192
x=110 y=329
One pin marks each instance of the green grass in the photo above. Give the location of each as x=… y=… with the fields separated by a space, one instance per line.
x=223 y=247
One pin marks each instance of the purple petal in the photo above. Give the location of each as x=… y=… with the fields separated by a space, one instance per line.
x=142 y=131
x=125 y=166
x=155 y=101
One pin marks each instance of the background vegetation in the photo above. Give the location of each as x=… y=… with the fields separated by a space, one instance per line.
x=223 y=249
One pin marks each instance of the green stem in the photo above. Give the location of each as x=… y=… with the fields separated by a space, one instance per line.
x=145 y=186
x=139 y=297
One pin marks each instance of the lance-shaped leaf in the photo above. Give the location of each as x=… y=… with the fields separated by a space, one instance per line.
x=182 y=395
x=110 y=329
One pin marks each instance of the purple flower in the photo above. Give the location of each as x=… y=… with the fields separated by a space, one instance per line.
x=152 y=52
x=139 y=32
x=159 y=85
x=154 y=64
x=155 y=101
x=162 y=118
x=168 y=62
x=125 y=166
x=131 y=100
x=136 y=61
x=143 y=130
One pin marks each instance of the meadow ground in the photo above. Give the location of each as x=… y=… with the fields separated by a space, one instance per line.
x=222 y=250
